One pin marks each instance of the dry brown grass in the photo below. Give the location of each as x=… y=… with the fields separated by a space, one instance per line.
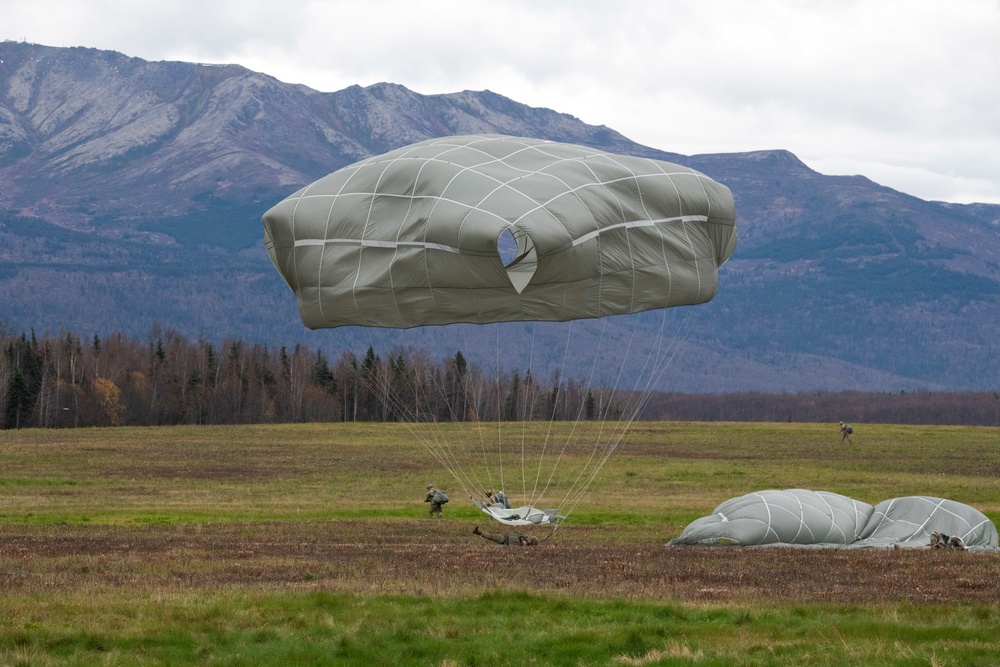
x=443 y=558
x=274 y=507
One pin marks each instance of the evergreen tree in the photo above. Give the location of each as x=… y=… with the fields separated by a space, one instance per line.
x=457 y=399
x=513 y=400
x=19 y=402
x=402 y=394
x=322 y=375
x=371 y=393
x=25 y=381
x=211 y=365
x=371 y=359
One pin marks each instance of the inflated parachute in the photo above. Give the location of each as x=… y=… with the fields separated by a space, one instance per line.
x=817 y=518
x=494 y=229
x=417 y=236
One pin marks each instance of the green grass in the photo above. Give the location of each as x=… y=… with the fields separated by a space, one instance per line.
x=307 y=545
x=663 y=472
x=239 y=628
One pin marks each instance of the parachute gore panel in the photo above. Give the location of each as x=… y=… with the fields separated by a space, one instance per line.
x=910 y=521
x=411 y=237
x=794 y=516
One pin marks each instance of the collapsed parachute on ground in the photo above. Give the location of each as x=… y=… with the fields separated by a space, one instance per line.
x=816 y=518
x=525 y=515
x=487 y=228
x=910 y=521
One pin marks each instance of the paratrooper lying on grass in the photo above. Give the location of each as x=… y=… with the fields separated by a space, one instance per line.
x=506 y=539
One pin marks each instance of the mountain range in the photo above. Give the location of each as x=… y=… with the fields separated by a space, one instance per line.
x=131 y=194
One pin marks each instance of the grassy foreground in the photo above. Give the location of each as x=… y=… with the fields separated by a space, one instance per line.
x=308 y=545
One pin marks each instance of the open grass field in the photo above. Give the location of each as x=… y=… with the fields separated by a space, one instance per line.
x=309 y=545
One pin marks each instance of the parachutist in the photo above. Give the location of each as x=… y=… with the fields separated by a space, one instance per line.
x=942 y=541
x=436 y=498
x=498 y=498
x=506 y=539
x=846 y=431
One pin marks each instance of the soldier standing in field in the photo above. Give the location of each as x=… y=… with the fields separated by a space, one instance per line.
x=845 y=432
x=433 y=497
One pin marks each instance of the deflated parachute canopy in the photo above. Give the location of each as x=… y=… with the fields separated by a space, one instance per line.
x=526 y=515
x=488 y=228
x=910 y=521
x=793 y=516
x=819 y=518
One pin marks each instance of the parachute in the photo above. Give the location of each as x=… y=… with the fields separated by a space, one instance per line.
x=817 y=518
x=498 y=230
x=519 y=516
x=795 y=516
x=414 y=237
x=911 y=520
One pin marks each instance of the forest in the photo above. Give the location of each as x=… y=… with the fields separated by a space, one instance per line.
x=66 y=381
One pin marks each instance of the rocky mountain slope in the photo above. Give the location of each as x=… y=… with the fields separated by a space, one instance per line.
x=131 y=194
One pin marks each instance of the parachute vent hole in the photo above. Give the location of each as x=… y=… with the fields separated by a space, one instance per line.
x=518 y=255
x=507 y=247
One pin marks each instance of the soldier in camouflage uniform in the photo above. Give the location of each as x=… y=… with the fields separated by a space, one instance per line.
x=506 y=539
x=499 y=498
x=942 y=541
x=435 y=507
x=845 y=432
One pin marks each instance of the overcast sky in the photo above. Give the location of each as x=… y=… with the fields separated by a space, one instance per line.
x=905 y=92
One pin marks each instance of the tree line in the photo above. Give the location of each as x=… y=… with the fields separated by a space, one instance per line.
x=971 y=408
x=65 y=381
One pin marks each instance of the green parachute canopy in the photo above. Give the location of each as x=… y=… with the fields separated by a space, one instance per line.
x=489 y=228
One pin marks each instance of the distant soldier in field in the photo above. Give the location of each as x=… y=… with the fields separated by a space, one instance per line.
x=506 y=539
x=436 y=498
x=845 y=432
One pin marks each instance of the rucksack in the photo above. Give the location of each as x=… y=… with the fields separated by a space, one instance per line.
x=440 y=497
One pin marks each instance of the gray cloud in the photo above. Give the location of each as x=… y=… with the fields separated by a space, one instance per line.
x=902 y=91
